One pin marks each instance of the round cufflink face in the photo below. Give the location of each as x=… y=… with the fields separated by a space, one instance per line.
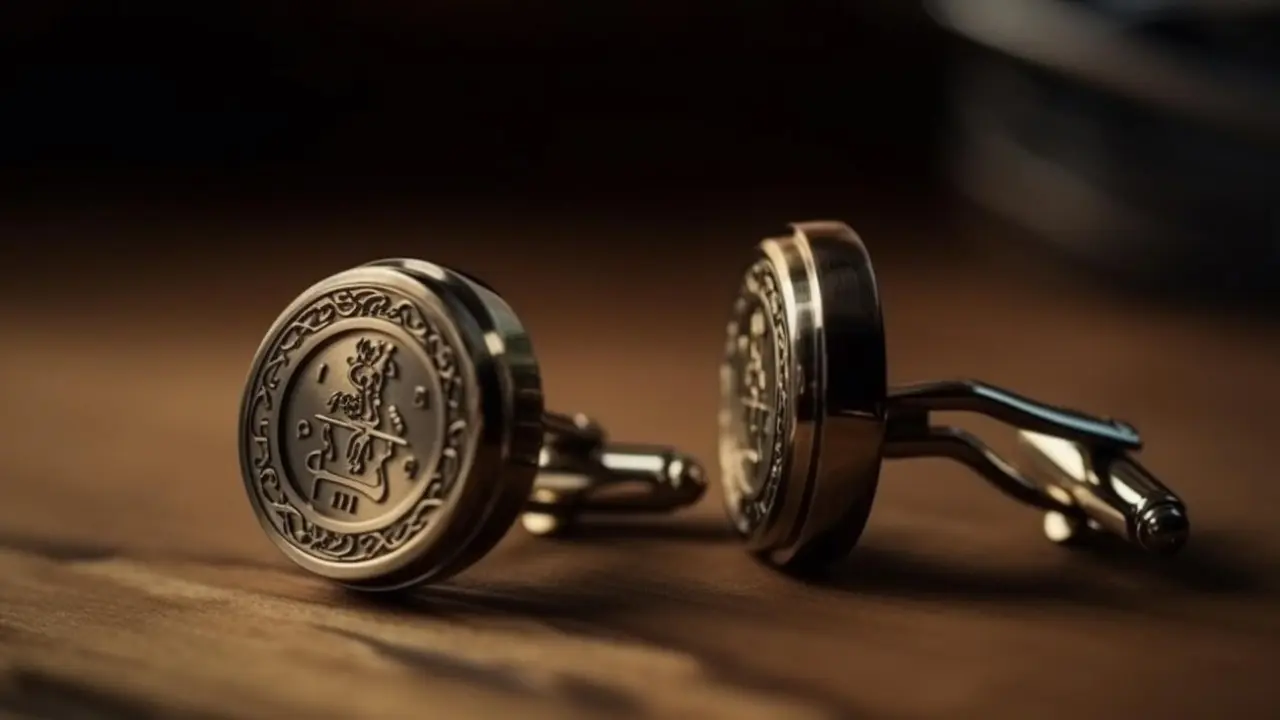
x=757 y=414
x=390 y=426
x=802 y=393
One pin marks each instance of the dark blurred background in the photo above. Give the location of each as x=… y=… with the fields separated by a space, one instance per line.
x=1133 y=141
x=470 y=97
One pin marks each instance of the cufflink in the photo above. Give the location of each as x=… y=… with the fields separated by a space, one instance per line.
x=807 y=417
x=392 y=429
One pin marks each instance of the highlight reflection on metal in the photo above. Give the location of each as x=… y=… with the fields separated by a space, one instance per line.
x=807 y=417
x=392 y=429
x=579 y=473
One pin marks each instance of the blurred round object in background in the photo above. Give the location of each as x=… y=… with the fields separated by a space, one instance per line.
x=1141 y=137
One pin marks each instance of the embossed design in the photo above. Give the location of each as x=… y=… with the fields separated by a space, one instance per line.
x=370 y=368
x=356 y=417
x=367 y=445
x=756 y=402
x=755 y=380
x=345 y=502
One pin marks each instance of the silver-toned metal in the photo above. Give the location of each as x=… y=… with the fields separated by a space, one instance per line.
x=807 y=418
x=392 y=428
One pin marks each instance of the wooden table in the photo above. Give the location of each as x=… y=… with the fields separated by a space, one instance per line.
x=134 y=581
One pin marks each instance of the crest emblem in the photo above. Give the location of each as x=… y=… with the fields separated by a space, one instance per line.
x=355 y=424
x=754 y=397
x=355 y=447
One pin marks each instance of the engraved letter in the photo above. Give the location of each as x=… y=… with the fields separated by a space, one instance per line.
x=346 y=502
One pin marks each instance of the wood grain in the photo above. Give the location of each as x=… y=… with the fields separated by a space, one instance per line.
x=134 y=581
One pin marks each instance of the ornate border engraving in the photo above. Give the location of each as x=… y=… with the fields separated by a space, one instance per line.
x=755 y=508
x=316 y=317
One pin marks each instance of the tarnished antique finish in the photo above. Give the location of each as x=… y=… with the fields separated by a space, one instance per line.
x=392 y=429
x=807 y=417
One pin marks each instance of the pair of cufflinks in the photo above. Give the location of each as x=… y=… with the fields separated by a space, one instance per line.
x=392 y=428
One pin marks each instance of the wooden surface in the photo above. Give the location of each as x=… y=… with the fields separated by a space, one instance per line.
x=134 y=581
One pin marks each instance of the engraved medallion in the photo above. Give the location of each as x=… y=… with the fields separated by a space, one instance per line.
x=392 y=429
x=353 y=460
x=755 y=391
x=807 y=417
x=361 y=423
